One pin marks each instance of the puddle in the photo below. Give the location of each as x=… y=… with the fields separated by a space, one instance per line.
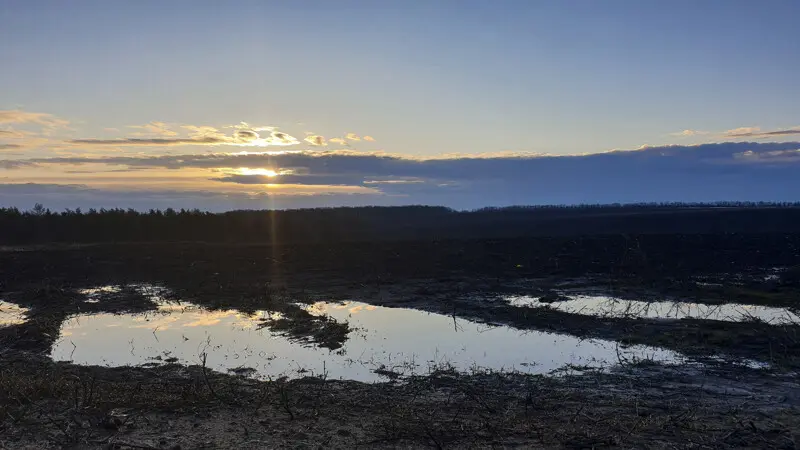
x=613 y=307
x=403 y=341
x=11 y=314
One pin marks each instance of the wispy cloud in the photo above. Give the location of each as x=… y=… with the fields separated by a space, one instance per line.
x=11 y=133
x=203 y=131
x=352 y=137
x=756 y=132
x=369 y=138
x=152 y=142
x=11 y=165
x=690 y=133
x=739 y=133
x=775 y=156
x=9 y=146
x=247 y=126
x=155 y=128
x=199 y=135
x=22 y=117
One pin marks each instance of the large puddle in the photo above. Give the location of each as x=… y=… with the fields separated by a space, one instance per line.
x=613 y=307
x=383 y=342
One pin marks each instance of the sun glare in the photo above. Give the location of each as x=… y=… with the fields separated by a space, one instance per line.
x=264 y=172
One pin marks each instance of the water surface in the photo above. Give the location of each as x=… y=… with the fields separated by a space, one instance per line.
x=11 y=314
x=603 y=306
x=403 y=341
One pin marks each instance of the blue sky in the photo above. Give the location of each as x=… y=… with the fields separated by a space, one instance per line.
x=423 y=80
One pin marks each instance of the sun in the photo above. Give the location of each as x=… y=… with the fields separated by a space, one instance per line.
x=265 y=172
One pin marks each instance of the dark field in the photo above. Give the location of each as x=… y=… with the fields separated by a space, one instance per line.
x=736 y=385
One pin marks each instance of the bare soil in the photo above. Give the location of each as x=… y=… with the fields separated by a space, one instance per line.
x=716 y=404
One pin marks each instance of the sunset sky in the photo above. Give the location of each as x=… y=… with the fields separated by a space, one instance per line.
x=283 y=104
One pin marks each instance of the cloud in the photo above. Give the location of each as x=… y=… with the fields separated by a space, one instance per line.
x=11 y=165
x=340 y=141
x=689 y=133
x=246 y=126
x=11 y=134
x=9 y=146
x=707 y=172
x=394 y=180
x=369 y=138
x=203 y=131
x=308 y=180
x=200 y=140
x=481 y=166
x=157 y=128
x=240 y=126
x=742 y=130
x=127 y=169
x=245 y=135
x=281 y=138
x=317 y=141
x=199 y=136
x=755 y=132
x=776 y=156
x=21 y=117
x=37 y=188
x=352 y=137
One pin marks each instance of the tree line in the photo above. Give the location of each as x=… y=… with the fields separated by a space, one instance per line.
x=41 y=225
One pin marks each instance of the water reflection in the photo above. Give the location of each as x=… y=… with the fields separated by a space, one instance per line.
x=613 y=307
x=11 y=314
x=403 y=341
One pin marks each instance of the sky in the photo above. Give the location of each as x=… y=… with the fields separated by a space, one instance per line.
x=273 y=104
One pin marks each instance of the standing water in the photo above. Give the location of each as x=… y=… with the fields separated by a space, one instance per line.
x=382 y=341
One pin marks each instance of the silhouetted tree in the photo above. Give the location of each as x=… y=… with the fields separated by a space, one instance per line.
x=379 y=223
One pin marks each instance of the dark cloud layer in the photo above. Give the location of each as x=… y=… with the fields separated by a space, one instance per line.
x=710 y=172
x=709 y=157
x=10 y=165
x=204 y=140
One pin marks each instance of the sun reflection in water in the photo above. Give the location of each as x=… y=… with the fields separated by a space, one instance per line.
x=397 y=340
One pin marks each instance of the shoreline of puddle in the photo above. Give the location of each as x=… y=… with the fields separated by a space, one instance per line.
x=383 y=343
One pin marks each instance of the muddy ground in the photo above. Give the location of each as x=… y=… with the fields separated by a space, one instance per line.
x=711 y=402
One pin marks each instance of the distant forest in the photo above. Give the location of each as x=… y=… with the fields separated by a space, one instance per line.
x=40 y=225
